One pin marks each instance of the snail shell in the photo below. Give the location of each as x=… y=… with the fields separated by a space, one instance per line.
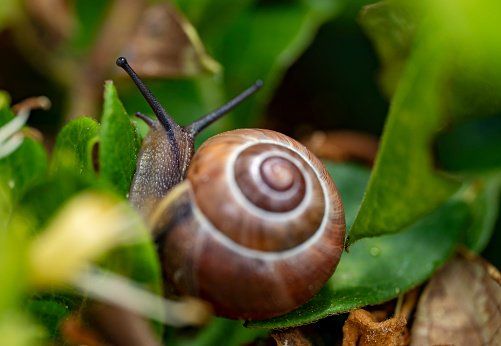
x=256 y=228
x=252 y=222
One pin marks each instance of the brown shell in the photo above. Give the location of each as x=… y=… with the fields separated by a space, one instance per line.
x=248 y=261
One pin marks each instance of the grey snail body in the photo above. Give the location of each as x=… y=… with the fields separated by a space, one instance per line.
x=251 y=222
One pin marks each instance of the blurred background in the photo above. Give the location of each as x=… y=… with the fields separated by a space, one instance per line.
x=321 y=63
x=318 y=68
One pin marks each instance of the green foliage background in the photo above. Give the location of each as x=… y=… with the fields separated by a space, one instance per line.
x=424 y=74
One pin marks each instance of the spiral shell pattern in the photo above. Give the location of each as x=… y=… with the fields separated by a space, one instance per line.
x=256 y=229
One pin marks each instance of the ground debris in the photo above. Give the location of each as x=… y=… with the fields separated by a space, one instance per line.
x=461 y=305
x=290 y=337
x=362 y=329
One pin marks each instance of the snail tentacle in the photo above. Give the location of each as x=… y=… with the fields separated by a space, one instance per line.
x=167 y=150
x=197 y=126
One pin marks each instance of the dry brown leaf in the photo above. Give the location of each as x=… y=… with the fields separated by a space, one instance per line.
x=165 y=44
x=31 y=103
x=74 y=332
x=409 y=303
x=461 y=305
x=35 y=102
x=362 y=329
x=120 y=326
x=57 y=17
x=290 y=337
x=85 y=78
x=343 y=146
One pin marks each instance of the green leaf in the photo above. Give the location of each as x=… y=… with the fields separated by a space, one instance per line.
x=351 y=182
x=25 y=165
x=18 y=171
x=391 y=26
x=137 y=261
x=10 y=11
x=90 y=16
x=120 y=143
x=49 y=313
x=13 y=268
x=5 y=113
x=379 y=269
x=405 y=185
x=42 y=200
x=482 y=193
x=73 y=148
x=470 y=33
x=452 y=60
x=202 y=13
x=240 y=39
x=248 y=52
x=15 y=327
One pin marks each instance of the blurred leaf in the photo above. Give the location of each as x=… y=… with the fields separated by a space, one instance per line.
x=24 y=167
x=202 y=13
x=9 y=12
x=137 y=261
x=471 y=148
x=5 y=112
x=73 y=148
x=90 y=15
x=460 y=305
x=351 y=182
x=17 y=171
x=26 y=164
x=140 y=263
x=120 y=143
x=248 y=51
x=15 y=327
x=404 y=185
x=49 y=314
x=459 y=58
x=482 y=193
x=219 y=332
x=165 y=44
x=240 y=39
x=46 y=199
x=472 y=55
x=12 y=265
x=376 y=270
x=55 y=18
x=6 y=205
x=42 y=200
x=391 y=26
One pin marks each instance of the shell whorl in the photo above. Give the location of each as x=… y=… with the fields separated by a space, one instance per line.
x=228 y=186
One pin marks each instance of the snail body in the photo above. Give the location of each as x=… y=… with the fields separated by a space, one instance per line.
x=251 y=222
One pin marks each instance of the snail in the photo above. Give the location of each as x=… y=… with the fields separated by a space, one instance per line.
x=251 y=222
